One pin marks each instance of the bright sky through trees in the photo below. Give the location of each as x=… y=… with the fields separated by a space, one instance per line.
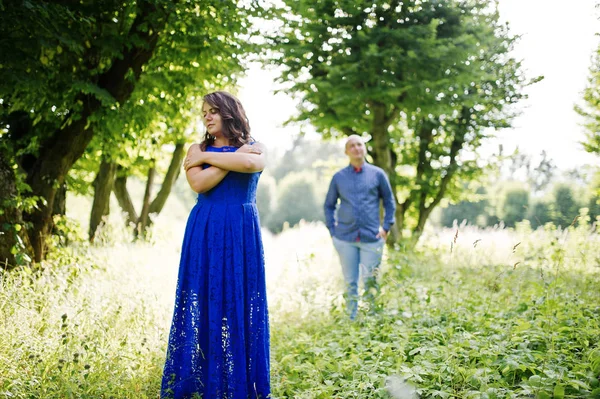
x=558 y=40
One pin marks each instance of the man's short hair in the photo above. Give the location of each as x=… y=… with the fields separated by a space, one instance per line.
x=353 y=136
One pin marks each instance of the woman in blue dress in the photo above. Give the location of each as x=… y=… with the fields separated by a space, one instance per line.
x=219 y=340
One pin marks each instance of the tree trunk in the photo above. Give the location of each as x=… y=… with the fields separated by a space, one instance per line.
x=60 y=201
x=170 y=178
x=142 y=225
x=49 y=172
x=436 y=197
x=381 y=151
x=423 y=177
x=14 y=248
x=383 y=154
x=144 y=222
x=400 y=217
x=124 y=199
x=60 y=209
x=67 y=144
x=103 y=186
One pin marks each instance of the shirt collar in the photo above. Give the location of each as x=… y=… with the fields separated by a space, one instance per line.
x=359 y=169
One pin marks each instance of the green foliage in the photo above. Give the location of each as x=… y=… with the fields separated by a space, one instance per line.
x=121 y=79
x=424 y=80
x=297 y=199
x=14 y=249
x=566 y=207
x=73 y=334
x=594 y=207
x=67 y=231
x=164 y=108
x=540 y=213
x=469 y=323
x=510 y=202
x=590 y=110
x=474 y=212
x=514 y=206
x=266 y=198
x=293 y=188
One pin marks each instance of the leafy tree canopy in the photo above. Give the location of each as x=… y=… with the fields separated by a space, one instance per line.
x=428 y=81
x=107 y=73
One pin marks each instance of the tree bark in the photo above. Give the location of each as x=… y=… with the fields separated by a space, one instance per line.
x=142 y=225
x=49 y=172
x=383 y=154
x=13 y=242
x=381 y=150
x=103 y=186
x=124 y=199
x=60 y=201
x=68 y=143
x=167 y=185
x=144 y=222
x=401 y=215
x=457 y=144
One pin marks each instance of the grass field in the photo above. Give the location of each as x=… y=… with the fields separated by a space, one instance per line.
x=475 y=314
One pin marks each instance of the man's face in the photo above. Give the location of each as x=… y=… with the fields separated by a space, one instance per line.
x=355 y=149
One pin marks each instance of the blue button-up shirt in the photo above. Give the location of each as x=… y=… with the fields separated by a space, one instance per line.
x=359 y=192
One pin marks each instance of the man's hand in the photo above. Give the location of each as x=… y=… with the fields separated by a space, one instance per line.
x=382 y=234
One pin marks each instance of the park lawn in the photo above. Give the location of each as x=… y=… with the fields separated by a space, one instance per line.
x=473 y=314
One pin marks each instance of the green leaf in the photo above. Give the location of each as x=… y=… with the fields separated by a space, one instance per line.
x=101 y=94
x=535 y=381
x=559 y=392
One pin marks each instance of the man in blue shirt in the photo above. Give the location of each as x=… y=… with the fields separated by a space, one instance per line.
x=356 y=231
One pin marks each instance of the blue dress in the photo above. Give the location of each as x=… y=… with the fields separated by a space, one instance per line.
x=219 y=340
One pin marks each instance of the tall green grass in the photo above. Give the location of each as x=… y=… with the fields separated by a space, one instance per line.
x=471 y=314
x=480 y=314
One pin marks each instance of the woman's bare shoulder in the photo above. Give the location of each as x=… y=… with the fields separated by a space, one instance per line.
x=195 y=147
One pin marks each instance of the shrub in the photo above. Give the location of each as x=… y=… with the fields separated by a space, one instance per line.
x=266 y=198
x=540 y=213
x=514 y=206
x=297 y=200
x=566 y=208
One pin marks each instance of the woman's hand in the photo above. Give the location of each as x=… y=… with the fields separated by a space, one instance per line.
x=250 y=149
x=195 y=157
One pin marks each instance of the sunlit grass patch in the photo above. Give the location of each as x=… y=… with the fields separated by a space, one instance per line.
x=453 y=319
x=304 y=278
x=462 y=321
x=79 y=330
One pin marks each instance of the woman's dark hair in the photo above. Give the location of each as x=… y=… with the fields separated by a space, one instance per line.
x=233 y=118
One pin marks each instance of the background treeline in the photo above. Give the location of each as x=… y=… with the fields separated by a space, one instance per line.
x=526 y=190
x=510 y=202
x=514 y=189
x=96 y=95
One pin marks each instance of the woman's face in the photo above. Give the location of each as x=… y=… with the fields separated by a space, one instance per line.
x=212 y=120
